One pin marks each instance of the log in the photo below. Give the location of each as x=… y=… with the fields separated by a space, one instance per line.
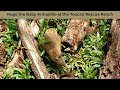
x=111 y=64
x=28 y=41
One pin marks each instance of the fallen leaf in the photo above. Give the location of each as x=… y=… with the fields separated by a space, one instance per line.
x=34 y=28
x=2 y=54
x=17 y=61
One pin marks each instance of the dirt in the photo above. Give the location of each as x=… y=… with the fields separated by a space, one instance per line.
x=111 y=65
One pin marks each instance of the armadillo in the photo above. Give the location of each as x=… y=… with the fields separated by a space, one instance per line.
x=53 y=46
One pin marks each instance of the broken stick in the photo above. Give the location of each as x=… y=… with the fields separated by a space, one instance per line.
x=28 y=41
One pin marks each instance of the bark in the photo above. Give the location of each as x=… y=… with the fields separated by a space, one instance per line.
x=111 y=65
x=2 y=54
x=28 y=41
x=76 y=31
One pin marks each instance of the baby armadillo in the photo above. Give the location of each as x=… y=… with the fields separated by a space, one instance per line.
x=53 y=46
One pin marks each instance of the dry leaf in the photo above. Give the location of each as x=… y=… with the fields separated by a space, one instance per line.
x=2 y=54
x=1 y=74
x=17 y=61
x=34 y=28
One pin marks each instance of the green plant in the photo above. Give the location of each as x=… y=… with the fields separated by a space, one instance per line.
x=60 y=24
x=89 y=57
x=92 y=51
x=88 y=62
x=11 y=41
x=20 y=73
x=10 y=37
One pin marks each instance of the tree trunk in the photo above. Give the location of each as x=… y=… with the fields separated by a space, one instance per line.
x=111 y=64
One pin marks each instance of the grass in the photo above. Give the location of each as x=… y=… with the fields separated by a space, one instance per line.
x=20 y=73
x=10 y=37
x=11 y=41
x=90 y=53
x=60 y=25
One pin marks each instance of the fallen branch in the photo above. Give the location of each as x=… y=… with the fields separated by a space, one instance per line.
x=28 y=41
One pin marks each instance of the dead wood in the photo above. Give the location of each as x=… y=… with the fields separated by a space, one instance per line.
x=1 y=74
x=17 y=61
x=28 y=41
x=76 y=31
x=2 y=54
x=34 y=28
x=111 y=65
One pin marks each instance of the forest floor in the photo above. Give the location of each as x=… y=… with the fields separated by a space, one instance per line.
x=67 y=48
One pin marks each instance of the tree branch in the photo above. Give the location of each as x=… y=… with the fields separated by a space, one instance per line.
x=28 y=41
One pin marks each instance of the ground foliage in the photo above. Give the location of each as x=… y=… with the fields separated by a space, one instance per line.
x=85 y=66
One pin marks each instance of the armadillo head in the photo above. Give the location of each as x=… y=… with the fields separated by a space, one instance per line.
x=61 y=61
